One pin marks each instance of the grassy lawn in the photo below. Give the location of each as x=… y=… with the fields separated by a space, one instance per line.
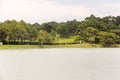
x=50 y=46
x=18 y=46
x=65 y=40
x=72 y=46
x=85 y=45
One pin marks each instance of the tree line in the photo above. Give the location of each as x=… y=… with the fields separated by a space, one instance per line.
x=92 y=29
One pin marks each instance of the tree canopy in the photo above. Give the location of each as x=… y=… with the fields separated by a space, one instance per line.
x=92 y=30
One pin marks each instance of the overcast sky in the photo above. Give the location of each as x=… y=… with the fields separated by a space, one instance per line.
x=56 y=10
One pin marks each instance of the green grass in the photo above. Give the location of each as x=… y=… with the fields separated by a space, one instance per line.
x=84 y=45
x=49 y=46
x=18 y=46
x=65 y=40
x=72 y=46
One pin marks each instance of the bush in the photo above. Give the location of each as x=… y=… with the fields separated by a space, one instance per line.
x=44 y=37
x=107 y=38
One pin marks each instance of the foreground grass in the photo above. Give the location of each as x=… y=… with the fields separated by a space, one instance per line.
x=18 y=46
x=50 y=46
x=85 y=45
x=72 y=46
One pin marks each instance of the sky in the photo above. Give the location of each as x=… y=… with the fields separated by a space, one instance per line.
x=41 y=11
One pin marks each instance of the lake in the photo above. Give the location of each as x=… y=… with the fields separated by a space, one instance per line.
x=60 y=64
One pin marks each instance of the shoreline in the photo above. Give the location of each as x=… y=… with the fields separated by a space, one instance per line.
x=56 y=46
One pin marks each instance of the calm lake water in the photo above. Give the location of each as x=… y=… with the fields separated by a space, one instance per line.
x=60 y=64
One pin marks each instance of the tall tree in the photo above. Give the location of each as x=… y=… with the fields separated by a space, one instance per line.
x=44 y=37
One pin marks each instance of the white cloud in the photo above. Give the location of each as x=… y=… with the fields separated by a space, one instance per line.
x=107 y=9
x=42 y=10
x=47 y=10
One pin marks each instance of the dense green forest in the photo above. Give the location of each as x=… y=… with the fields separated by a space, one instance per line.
x=96 y=30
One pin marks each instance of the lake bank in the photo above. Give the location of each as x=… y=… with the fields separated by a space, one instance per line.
x=50 y=46
x=57 y=46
